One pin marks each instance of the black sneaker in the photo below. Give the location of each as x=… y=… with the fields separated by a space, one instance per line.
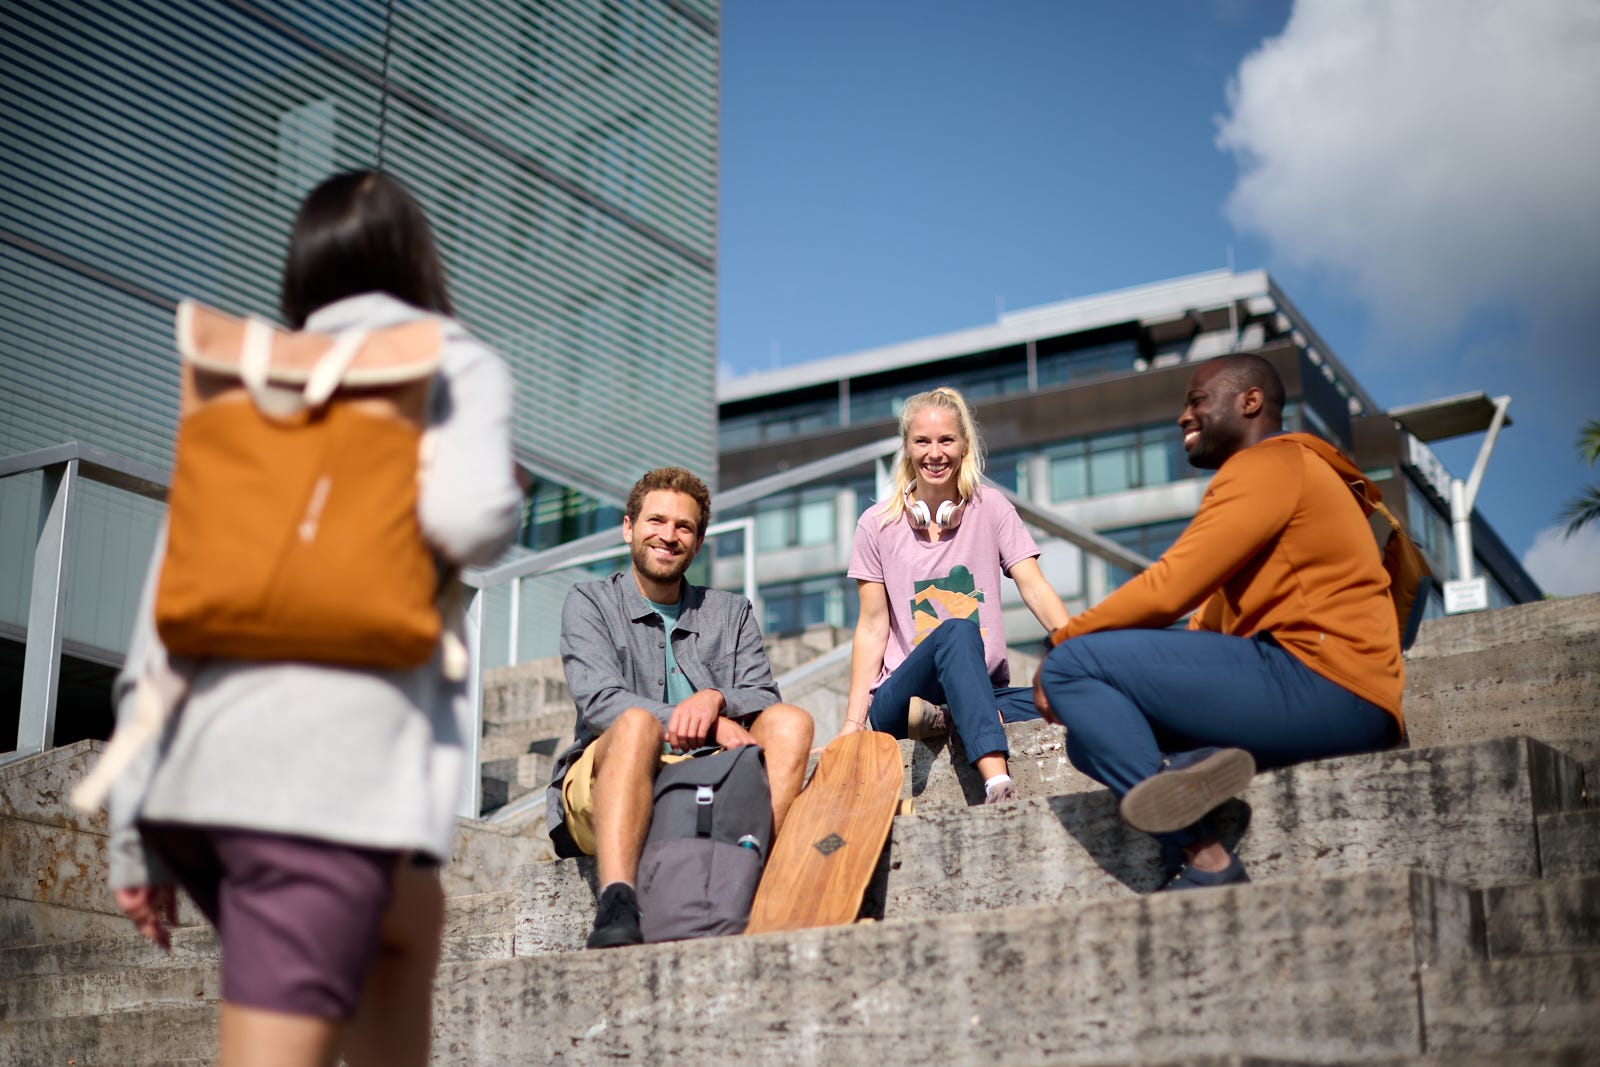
x=1189 y=785
x=616 y=920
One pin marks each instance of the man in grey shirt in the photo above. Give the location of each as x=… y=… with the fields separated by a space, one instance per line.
x=657 y=664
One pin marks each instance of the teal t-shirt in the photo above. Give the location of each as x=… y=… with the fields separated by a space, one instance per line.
x=677 y=688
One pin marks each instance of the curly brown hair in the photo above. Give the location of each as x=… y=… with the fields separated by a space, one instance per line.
x=676 y=479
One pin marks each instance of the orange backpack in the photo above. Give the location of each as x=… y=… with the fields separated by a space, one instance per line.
x=1410 y=577
x=292 y=517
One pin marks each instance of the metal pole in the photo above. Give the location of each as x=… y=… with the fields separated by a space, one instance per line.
x=750 y=590
x=516 y=620
x=41 y=664
x=1475 y=479
x=472 y=739
x=1461 y=527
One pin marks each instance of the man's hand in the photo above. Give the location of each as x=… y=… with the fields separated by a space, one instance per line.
x=1041 y=701
x=730 y=734
x=694 y=719
x=152 y=908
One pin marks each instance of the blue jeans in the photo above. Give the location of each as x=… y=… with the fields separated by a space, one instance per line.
x=948 y=668
x=1128 y=697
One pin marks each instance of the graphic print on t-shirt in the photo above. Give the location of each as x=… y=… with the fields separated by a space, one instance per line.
x=956 y=593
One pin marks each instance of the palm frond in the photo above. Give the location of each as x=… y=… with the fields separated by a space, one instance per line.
x=1581 y=510
x=1589 y=441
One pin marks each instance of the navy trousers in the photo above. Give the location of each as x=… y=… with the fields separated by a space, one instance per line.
x=948 y=668
x=1129 y=697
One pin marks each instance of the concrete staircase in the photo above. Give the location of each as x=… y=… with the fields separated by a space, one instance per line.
x=1436 y=904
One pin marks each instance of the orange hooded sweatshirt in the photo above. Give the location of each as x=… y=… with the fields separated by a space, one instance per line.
x=1278 y=546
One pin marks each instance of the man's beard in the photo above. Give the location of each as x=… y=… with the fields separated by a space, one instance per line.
x=651 y=568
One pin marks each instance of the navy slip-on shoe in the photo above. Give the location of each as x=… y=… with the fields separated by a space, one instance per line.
x=1189 y=877
x=1188 y=787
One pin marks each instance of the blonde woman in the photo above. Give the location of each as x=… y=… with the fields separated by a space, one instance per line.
x=927 y=564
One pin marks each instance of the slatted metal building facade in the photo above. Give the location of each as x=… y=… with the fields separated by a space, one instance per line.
x=566 y=151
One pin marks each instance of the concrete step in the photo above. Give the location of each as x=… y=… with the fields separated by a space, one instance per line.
x=1513 y=1004
x=122 y=951
x=1549 y=689
x=1553 y=916
x=1569 y=841
x=1479 y=630
x=130 y=974
x=1465 y=812
x=1544 y=688
x=122 y=1039
x=517 y=743
x=796 y=650
x=32 y=922
x=1316 y=968
x=1324 y=970
x=53 y=875
x=36 y=789
x=939 y=778
x=163 y=985
x=487 y=854
x=523 y=691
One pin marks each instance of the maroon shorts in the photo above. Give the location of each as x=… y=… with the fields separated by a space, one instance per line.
x=297 y=919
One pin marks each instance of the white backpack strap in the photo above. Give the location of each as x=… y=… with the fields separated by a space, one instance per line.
x=331 y=368
x=255 y=358
x=156 y=694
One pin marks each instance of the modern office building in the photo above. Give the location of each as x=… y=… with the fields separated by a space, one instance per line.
x=1077 y=403
x=566 y=151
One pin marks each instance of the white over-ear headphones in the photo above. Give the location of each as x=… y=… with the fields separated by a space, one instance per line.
x=948 y=516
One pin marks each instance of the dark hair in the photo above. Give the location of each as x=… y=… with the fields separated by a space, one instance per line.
x=676 y=479
x=360 y=232
x=1246 y=370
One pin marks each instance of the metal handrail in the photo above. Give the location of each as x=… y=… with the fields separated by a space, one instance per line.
x=62 y=466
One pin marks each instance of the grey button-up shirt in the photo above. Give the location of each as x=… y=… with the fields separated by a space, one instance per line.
x=613 y=651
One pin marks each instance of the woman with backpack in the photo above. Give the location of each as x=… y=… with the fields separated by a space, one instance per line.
x=927 y=564
x=306 y=807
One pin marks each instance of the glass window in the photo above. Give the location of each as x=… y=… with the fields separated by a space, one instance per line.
x=1117 y=462
x=1069 y=477
x=1010 y=469
x=815 y=523
x=1113 y=357
x=1113 y=463
x=1150 y=541
x=773 y=528
x=553 y=514
x=789 y=607
x=1155 y=462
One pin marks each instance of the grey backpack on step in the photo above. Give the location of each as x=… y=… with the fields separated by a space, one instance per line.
x=708 y=841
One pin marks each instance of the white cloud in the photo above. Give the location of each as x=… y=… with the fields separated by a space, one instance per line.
x=1441 y=155
x=1566 y=566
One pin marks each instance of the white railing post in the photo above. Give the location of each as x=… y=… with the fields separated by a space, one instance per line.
x=516 y=621
x=472 y=730
x=751 y=590
x=47 y=607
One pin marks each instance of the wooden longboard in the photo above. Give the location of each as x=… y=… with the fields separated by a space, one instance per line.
x=825 y=854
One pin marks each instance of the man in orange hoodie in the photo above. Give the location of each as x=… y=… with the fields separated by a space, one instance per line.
x=1292 y=653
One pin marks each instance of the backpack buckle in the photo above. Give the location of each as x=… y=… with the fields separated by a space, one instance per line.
x=702 y=814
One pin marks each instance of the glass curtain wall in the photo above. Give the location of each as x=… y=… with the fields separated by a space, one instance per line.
x=566 y=151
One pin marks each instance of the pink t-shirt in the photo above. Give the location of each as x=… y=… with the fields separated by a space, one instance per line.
x=927 y=583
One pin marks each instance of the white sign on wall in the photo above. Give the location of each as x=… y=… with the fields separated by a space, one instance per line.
x=1466 y=594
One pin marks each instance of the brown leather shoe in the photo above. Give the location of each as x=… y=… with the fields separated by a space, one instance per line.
x=926 y=719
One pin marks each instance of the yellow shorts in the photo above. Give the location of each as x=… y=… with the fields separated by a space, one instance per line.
x=577 y=797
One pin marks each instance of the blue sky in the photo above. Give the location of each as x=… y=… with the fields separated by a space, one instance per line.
x=1419 y=178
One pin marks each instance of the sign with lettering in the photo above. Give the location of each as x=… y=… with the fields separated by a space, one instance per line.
x=1466 y=594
